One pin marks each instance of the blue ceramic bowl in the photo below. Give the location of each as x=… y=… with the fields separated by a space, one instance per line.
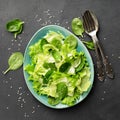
x=40 y=34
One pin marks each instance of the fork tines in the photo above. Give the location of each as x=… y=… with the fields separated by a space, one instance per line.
x=88 y=21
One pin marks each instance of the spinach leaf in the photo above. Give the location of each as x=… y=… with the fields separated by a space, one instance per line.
x=65 y=67
x=47 y=76
x=15 y=26
x=56 y=55
x=49 y=66
x=72 y=41
x=53 y=101
x=81 y=65
x=15 y=61
x=89 y=44
x=77 y=26
x=62 y=90
x=18 y=32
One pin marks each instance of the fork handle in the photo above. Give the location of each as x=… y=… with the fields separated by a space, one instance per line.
x=108 y=67
x=100 y=71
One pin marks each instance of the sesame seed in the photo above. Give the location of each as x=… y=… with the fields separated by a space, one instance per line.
x=33 y=111
x=102 y=98
x=39 y=20
x=36 y=16
x=104 y=92
x=8 y=95
x=9 y=48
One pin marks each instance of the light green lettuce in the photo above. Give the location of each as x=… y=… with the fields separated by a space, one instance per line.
x=58 y=70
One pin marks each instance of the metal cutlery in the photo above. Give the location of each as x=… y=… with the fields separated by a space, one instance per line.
x=91 y=26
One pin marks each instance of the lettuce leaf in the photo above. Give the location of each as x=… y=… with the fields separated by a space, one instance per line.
x=57 y=70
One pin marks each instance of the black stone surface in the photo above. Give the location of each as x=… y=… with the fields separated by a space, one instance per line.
x=16 y=102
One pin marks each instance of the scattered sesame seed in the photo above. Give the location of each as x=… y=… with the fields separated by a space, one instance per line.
x=36 y=16
x=68 y=28
x=112 y=55
x=20 y=94
x=38 y=106
x=8 y=95
x=61 y=11
x=102 y=98
x=9 y=48
x=6 y=81
x=20 y=88
x=19 y=98
x=39 y=20
x=19 y=44
x=66 y=22
x=33 y=111
x=104 y=92
x=50 y=16
x=19 y=37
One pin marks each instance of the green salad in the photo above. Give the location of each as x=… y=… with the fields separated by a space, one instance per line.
x=57 y=70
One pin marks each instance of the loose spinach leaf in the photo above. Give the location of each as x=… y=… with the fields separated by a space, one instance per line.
x=77 y=26
x=15 y=61
x=89 y=44
x=15 y=26
x=18 y=32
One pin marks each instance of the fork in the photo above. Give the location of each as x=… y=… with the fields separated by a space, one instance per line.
x=90 y=24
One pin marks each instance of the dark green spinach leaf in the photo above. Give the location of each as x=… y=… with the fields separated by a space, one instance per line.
x=15 y=26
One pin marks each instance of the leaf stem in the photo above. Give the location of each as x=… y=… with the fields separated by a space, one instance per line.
x=6 y=71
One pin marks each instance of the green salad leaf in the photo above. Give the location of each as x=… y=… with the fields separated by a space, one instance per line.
x=15 y=61
x=89 y=44
x=71 y=41
x=15 y=26
x=78 y=29
x=57 y=70
x=77 y=26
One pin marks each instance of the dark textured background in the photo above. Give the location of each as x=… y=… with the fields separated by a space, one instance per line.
x=16 y=102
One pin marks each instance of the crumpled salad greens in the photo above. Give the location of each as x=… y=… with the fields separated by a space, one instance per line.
x=57 y=70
